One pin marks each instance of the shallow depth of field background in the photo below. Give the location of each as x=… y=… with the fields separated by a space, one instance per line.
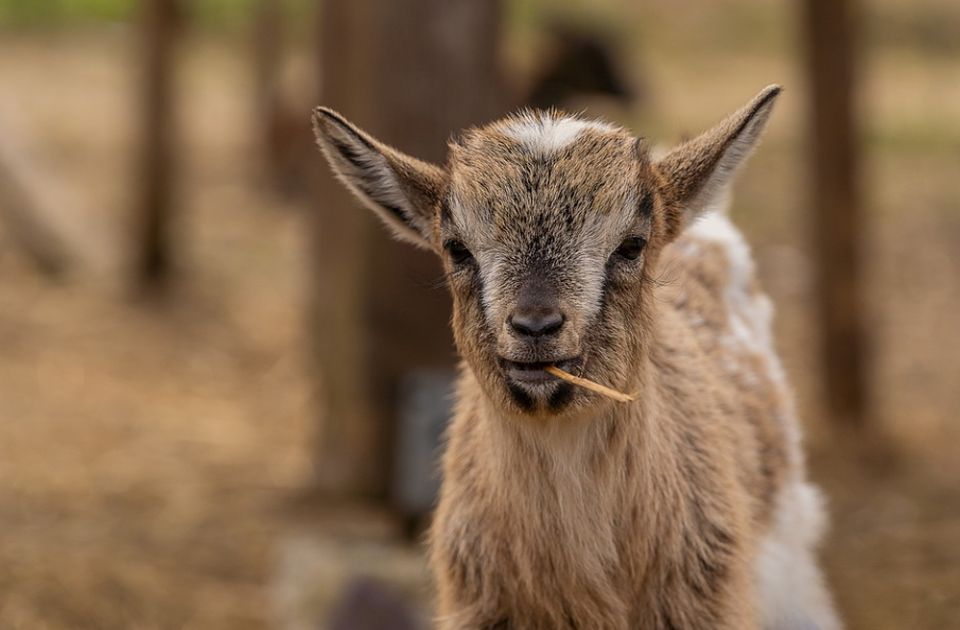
x=158 y=448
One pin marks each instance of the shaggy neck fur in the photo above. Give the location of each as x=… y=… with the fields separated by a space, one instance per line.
x=576 y=512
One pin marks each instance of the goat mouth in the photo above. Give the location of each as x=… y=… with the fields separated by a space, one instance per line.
x=533 y=372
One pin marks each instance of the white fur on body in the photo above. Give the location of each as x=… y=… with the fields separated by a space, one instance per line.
x=790 y=589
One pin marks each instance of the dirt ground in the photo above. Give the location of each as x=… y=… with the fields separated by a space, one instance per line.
x=148 y=451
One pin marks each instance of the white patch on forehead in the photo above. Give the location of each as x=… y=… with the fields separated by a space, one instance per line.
x=542 y=133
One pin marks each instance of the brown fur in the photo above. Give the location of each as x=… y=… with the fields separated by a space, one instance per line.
x=559 y=508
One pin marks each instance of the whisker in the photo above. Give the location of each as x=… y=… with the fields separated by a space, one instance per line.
x=440 y=282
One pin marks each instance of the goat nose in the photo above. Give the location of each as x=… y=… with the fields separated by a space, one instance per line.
x=536 y=322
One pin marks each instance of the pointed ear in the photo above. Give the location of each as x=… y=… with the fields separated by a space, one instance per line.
x=402 y=190
x=697 y=173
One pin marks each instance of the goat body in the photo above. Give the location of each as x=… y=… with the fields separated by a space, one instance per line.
x=566 y=243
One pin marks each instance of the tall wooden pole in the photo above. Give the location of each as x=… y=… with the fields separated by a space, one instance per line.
x=268 y=50
x=831 y=47
x=160 y=21
x=410 y=72
x=272 y=123
x=350 y=452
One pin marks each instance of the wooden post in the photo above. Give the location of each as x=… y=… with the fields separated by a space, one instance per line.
x=410 y=72
x=160 y=20
x=830 y=38
x=272 y=123
x=268 y=49
x=349 y=456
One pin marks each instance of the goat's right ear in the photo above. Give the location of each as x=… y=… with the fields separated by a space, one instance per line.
x=402 y=190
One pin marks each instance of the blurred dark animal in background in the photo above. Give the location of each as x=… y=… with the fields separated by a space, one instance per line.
x=577 y=64
x=581 y=64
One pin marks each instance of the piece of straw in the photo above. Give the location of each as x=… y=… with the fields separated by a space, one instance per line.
x=584 y=383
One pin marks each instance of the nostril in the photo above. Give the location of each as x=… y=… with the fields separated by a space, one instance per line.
x=536 y=324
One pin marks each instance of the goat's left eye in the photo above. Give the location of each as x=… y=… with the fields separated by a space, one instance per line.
x=631 y=247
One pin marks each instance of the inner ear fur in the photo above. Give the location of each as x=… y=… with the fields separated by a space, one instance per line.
x=403 y=191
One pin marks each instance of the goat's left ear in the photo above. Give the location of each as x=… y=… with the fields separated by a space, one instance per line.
x=696 y=173
x=402 y=190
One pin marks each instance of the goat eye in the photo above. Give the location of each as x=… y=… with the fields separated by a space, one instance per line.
x=631 y=247
x=459 y=253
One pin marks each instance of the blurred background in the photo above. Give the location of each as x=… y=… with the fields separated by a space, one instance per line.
x=221 y=384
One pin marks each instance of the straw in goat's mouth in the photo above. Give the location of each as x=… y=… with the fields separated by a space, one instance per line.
x=586 y=384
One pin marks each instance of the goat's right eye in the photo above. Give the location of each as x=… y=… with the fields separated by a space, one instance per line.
x=631 y=247
x=459 y=253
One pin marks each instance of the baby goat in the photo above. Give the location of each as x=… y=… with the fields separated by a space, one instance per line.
x=560 y=508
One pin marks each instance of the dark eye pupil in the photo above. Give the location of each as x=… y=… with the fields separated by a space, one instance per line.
x=458 y=252
x=631 y=247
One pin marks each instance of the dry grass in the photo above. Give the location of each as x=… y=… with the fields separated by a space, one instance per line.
x=603 y=390
x=145 y=450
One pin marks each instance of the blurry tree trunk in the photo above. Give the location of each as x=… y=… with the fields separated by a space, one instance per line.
x=270 y=110
x=345 y=462
x=160 y=22
x=268 y=44
x=412 y=73
x=838 y=222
